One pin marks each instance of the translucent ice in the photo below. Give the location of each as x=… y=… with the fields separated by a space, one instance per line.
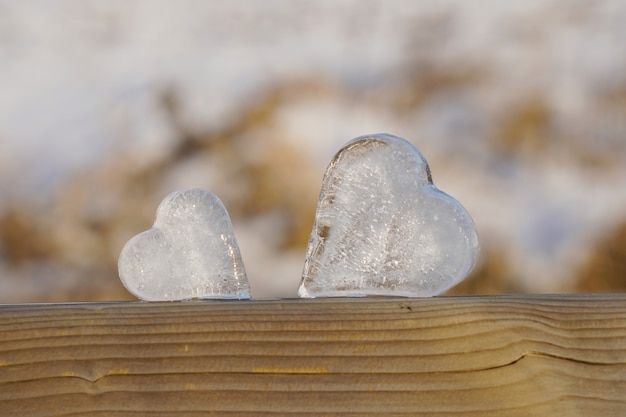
x=190 y=252
x=383 y=228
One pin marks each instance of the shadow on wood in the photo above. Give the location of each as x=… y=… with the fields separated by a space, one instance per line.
x=470 y=356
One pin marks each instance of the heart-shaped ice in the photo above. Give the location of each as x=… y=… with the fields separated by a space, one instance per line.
x=383 y=228
x=190 y=252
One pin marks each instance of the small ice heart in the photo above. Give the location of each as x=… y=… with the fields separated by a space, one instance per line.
x=190 y=252
x=383 y=228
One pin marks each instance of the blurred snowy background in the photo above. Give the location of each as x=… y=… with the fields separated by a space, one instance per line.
x=108 y=106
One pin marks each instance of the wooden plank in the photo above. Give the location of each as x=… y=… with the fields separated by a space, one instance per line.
x=470 y=356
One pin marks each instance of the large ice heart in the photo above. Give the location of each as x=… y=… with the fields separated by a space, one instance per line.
x=383 y=228
x=190 y=252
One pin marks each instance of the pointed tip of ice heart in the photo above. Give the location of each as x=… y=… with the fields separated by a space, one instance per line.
x=190 y=252
x=383 y=228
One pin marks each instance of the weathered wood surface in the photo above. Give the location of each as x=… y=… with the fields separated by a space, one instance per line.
x=469 y=356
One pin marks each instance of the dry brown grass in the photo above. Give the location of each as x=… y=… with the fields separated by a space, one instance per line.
x=524 y=129
x=605 y=270
x=24 y=238
x=492 y=275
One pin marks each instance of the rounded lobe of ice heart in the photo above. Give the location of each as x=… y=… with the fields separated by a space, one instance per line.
x=190 y=252
x=383 y=228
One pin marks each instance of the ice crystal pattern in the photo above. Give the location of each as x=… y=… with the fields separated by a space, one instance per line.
x=190 y=252
x=383 y=228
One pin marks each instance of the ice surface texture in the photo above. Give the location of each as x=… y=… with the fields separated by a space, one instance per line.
x=190 y=252
x=383 y=228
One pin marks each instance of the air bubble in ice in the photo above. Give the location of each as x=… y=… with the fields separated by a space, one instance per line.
x=383 y=228
x=190 y=252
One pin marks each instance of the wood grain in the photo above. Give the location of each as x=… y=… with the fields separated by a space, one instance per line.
x=469 y=356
